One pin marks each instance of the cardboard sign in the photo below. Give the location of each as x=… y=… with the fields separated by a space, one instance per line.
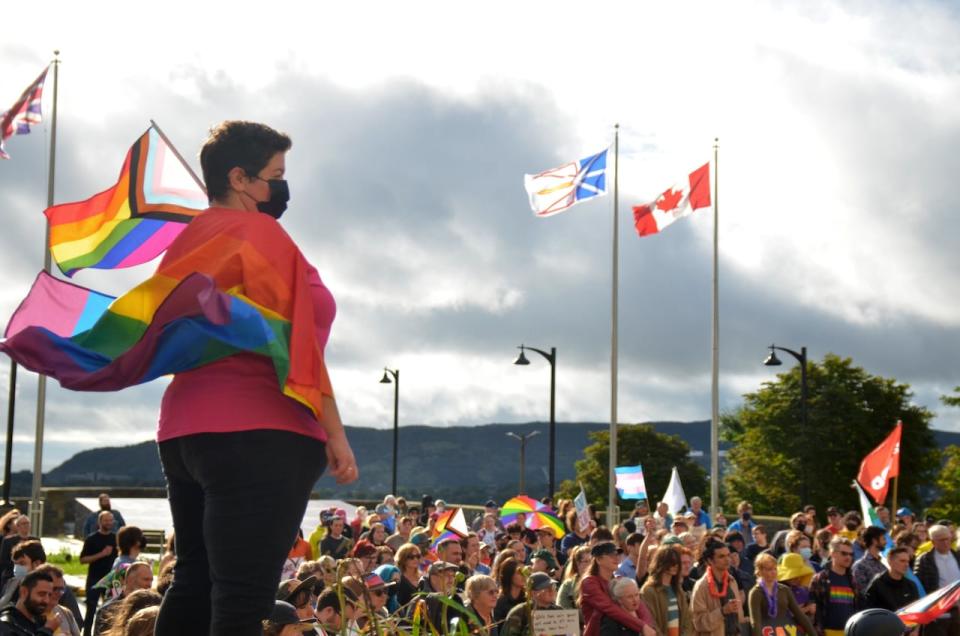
x=556 y=622
x=779 y=627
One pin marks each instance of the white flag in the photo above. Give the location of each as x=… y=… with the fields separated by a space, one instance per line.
x=675 y=499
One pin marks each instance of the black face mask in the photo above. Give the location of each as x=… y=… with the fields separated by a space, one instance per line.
x=276 y=205
x=800 y=525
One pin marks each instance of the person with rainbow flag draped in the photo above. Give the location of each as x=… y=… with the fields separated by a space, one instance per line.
x=249 y=422
x=239 y=455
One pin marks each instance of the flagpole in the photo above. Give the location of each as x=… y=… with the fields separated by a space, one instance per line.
x=612 y=516
x=176 y=153
x=36 y=504
x=714 y=380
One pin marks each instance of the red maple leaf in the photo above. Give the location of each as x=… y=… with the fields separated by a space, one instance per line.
x=669 y=200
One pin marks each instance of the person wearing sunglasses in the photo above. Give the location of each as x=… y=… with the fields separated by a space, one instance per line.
x=834 y=591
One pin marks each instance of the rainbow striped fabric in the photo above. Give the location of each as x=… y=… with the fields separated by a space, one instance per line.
x=235 y=283
x=132 y=222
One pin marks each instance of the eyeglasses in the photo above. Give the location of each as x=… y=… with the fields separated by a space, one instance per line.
x=58 y=590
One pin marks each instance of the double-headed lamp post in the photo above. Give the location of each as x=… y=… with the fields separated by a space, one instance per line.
x=552 y=359
x=773 y=361
x=523 y=455
x=396 y=428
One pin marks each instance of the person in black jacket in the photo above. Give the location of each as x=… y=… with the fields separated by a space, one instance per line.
x=26 y=618
x=892 y=590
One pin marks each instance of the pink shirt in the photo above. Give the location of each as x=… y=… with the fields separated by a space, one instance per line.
x=242 y=392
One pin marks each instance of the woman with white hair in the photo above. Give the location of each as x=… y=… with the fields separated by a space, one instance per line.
x=626 y=594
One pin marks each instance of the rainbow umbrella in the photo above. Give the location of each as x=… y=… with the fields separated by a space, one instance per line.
x=546 y=518
x=520 y=503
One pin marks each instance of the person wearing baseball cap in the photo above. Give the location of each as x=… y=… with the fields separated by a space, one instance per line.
x=543 y=596
x=543 y=561
x=284 y=621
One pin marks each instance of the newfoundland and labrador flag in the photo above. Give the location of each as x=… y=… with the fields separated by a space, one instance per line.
x=24 y=113
x=557 y=189
x=133 y=221
x=680 y=200
x=630 y=484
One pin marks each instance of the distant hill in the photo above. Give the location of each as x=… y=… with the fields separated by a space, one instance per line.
x=459 y=463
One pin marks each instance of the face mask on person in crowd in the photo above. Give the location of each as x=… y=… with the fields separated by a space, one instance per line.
x=19 y=571
x=800 y=525
x=276 y=205
x=806 y=553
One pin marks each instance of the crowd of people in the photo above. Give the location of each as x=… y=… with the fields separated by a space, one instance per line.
x=386 y=570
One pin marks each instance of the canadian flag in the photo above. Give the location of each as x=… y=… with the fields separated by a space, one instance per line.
x=881 y=465
x=675 y=203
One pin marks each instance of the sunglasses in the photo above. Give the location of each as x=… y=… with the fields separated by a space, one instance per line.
x=845 y=553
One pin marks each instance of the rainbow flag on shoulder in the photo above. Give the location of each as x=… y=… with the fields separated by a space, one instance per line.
x=235 y=283
x=135 y=220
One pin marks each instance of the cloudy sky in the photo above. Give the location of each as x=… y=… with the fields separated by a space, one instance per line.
x=413 y=124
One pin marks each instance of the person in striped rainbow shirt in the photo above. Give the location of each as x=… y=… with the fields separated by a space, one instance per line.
x=834 y=590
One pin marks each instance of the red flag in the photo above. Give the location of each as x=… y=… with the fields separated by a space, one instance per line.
x=882 y=464
x=689 y=195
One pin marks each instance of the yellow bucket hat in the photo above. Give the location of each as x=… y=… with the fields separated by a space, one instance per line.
x=792 y=566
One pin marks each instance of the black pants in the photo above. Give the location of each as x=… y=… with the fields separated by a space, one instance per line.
x=237 y=501
x=92 y=600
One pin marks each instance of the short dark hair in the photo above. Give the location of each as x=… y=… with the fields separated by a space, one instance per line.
x=634 y=538
x=244 y=144
x=128 y=538
x=896 y=551
x=50 y=569
x=329 y=598
x=32 y=578
x=711 y=546
x=32 y=549
x=872 y=533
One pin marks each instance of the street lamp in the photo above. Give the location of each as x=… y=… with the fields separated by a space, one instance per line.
x=396 y=428
x=552 y=359
x=773 y=361
x=523 y=454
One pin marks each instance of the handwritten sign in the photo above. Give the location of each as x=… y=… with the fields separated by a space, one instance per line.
x=556 y=622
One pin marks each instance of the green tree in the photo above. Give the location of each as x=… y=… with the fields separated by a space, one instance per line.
x=947 y=506
x=952 y=400
x=640 y=444
x=849 y=412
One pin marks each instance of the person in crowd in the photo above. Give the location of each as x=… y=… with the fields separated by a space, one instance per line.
x=21 y=527
x=700 y=516
x=543 y=596
x=920 y=529
x=366 y=553
x=68 y=625
x=798 y=522
x=798 y=542
x=133 y=603
x=813 y=524
x=892 y=590
x=335 y=544
x=578 y=561
x=628 y=566
x=577 y=534
x=772 y=603
x=821 y=548
x=391 y=578
x=663 y=595
x=329 y=614
x=834 y=591
x=489 y=529
x=169 y=550
x=883 y=514
x=715 y=604
x=626 y=595
x=92 y=522
x=548 y=541
x=130 y=543
x=834 y=520
x=544 y=561
x=744 y=522
x=6 y=523
x=758 y=544
x=481 y=593
x=439 y=581
x=936 y=568
x=28 y=615
x=135 y=576
x=144 y=622
x=794 y=572
x=300 y=552
x=408 y=562
x=451 y=551
x=594 y=596
x=228 y=434
x=376 y=591
x=402 y=535
x=687 y=581
x=851 y=526
x=511 y=584
x=906 y=517
x=284 y=621
x=27 y=557
x=870 y=565
x=745 y=580
x=297 y=592
x=490 y=508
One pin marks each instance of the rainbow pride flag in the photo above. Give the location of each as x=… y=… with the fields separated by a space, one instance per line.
x=234 y=283
x=134 y=221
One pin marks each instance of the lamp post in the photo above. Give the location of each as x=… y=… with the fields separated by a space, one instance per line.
x=773 y=361
x=396 y=427
x=552 y=359
x=523 y=455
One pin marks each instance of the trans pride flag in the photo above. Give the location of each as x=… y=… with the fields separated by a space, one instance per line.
x=630 y=483
x=134 y=221
x=235 y=283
